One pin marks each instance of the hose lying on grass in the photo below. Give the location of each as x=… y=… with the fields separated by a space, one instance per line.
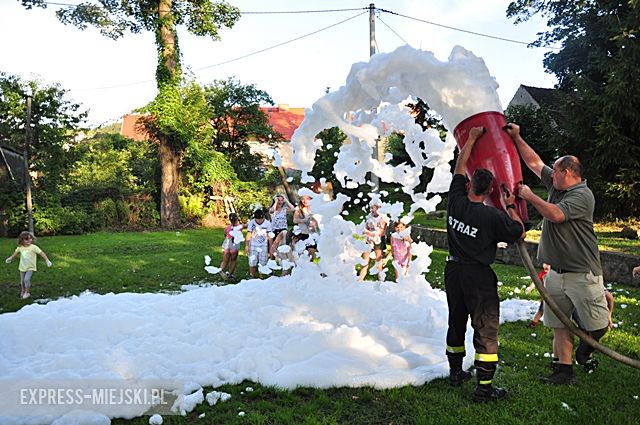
x=526 y=259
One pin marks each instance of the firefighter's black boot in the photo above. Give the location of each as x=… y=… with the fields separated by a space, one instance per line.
x=484 y=390
x=484 y=393
x=457 y=376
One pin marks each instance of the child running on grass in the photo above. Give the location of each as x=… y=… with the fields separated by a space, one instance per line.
x=28 y=253
x=229 y=246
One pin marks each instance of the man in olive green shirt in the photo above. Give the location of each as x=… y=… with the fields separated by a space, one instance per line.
x=568 y=243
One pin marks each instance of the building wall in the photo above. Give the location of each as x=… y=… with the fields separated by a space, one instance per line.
x=284 y=148
x=523 y=98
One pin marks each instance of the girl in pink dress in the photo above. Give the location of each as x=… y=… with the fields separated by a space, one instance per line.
x=401 y=249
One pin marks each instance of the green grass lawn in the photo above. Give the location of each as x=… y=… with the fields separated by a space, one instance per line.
x=161 y=261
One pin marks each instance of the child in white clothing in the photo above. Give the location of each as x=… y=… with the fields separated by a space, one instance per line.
x=258 y=241
x=374 y=232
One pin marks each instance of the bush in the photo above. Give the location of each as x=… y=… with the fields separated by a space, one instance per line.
x=60 y=220
x=106 y=213
x=122 y=209
x=142 y=211
x=247 y=194
x=192 y=207
x=14 y=210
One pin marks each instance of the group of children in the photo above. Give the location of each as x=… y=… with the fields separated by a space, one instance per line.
x=271 y=240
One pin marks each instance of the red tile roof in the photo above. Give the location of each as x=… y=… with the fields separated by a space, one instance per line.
x=283 y=119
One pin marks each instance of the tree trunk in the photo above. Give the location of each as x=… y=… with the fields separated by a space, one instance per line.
x=169 y=204
x=168 y=80
x=290 y=195
x=168 y=45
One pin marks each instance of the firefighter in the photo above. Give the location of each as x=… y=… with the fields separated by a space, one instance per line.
x=473 y=232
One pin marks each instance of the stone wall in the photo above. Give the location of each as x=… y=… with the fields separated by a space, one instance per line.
x=616 y=267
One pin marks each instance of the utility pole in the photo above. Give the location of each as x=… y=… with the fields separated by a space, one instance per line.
x=27 y=175
x=372 y=51
x=372 y=29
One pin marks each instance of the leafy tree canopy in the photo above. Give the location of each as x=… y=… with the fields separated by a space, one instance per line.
x=597 y=62
x=235 y=117
x=115 y=18
x=540 y=132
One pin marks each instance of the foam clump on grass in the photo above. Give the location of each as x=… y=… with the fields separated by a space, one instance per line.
x=155 y=420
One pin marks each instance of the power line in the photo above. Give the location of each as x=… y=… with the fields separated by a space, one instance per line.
x=466 y=31
x=272 y=12
x=393 y=31
x=365 y=9
x=280 y=12
x=282 y=44
x=238 y=58
x=302 y=11
x=60 y=4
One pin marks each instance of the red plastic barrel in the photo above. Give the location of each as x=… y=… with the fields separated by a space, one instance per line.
x=495 y=152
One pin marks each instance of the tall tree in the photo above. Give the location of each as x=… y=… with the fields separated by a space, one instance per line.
x=598 y=62
x=113 y=19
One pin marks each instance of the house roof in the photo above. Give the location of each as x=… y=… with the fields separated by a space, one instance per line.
x=550 y=99
x=283 y=119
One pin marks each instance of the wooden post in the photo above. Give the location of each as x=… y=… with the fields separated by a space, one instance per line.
x=287 y=188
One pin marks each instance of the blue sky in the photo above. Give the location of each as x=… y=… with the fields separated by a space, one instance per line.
x=109 y=78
